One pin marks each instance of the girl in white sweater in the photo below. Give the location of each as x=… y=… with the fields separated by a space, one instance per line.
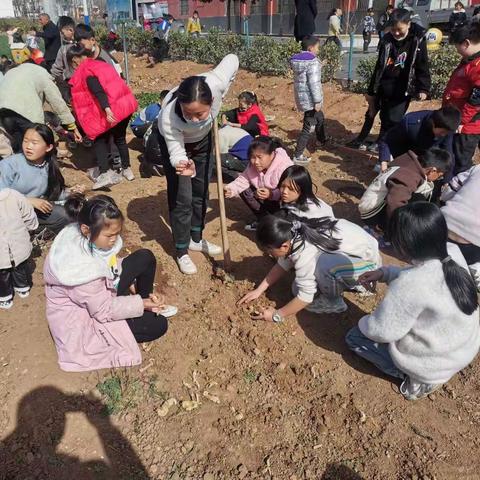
x=296 y=190
x=426 y=329
x=327 y=255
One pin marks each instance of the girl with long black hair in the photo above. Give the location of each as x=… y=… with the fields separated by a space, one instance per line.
x=35 y=173
x=328 y=257
x=426 y=329
x=185 y=123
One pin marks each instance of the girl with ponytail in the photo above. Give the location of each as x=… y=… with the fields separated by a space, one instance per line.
x=426 y=329
x=98 y=305
x=328 y=257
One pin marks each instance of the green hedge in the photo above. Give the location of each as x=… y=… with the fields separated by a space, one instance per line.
x=442 y=64
x=264 y=56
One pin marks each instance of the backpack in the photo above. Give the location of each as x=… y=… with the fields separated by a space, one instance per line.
x=373 y=200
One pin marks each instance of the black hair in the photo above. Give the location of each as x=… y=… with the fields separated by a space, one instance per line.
x=17 y=36
x=265 y=144
x=447 y=117
x=459 y=4
x=275 y=230
x=400 y=15
x=249 y=97
x=65 y=21
x=94 y=212
x=470 y=31
x=302 y=181
x=4 y=57
x=162 y=95
x=56 y=182
x=169 y=17
x=370 y=10
x=105 y=15
x=195 y=12
x=194 y=89
x=419 y=232
x=390 y=7
x=77 y=50
x=309 y=41
x=333 y=12
x=83 y=32
x=436 y=158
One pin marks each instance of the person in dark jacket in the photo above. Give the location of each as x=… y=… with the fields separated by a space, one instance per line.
x=51 y=37
x=383 y=21
x=419 y=131
x=401 y=71
x=306 y=11
x=458 y=18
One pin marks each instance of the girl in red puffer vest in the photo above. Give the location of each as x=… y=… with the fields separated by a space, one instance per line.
x=247 y=116
x=103 y=105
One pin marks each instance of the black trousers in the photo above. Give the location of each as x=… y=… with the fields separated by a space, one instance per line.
x=55 y=221
x=367 y=125
x=188 y=197
x=259 y=207
x=463 y=150
x=470 y=252
x=15 y=125
x=232 y=167
x=18 y=277
x=102 y=145
x=139 y=269
x=335 y=40
x=392 y=112
x=367 y=38
x=313 y=121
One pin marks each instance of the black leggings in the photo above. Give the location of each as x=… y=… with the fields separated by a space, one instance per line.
x=102 y=145
x=470 y=252
x=15 y=125
x=139 y=269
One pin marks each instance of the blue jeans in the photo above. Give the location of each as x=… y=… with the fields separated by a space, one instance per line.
x=376 y=353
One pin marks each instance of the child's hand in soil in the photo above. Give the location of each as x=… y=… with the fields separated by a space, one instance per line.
x=250 y=297
x=263 y=193
x=369 y=279
x=422 y=96
x=265 y=314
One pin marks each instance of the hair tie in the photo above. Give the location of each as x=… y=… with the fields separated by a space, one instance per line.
x=296 y=226
x=446 y=259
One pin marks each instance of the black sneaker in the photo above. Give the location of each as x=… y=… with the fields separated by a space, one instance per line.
x=373 y=148
x=354 y=144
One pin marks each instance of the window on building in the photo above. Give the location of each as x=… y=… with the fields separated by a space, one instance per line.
x=183 y=7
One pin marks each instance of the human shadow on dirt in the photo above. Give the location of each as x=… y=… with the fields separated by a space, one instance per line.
x=32 y=449
x=339 y=471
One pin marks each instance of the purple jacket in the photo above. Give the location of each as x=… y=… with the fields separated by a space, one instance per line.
x=86 y=318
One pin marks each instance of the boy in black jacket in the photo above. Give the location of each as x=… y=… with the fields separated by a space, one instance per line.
x=401 y=72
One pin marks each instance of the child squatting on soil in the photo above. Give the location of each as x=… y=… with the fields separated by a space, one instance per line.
x=99 y=306
x=328 y=257
x=426 y=328
x=17 y=218
x=35 y=173
x=258 y=184
x=247 y=116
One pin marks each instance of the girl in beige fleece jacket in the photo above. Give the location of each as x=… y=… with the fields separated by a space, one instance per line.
x=17 y=217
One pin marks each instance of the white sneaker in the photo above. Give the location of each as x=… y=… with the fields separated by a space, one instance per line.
x=93 y=173
x=251 y=227
x=186 y=265
x=205 y=247
x=128 y=174
x=23 y=293
x=106 y=179
x=302 y=160
x=169 y=311
x=6 y=304
x=413 y=390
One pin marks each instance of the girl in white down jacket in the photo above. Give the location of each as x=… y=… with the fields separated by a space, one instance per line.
x=426 y=329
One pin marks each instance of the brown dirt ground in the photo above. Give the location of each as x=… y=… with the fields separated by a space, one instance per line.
x=285 y=402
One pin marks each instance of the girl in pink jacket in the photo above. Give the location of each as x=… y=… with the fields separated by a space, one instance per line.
x=99 y=307
x=257 y=186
